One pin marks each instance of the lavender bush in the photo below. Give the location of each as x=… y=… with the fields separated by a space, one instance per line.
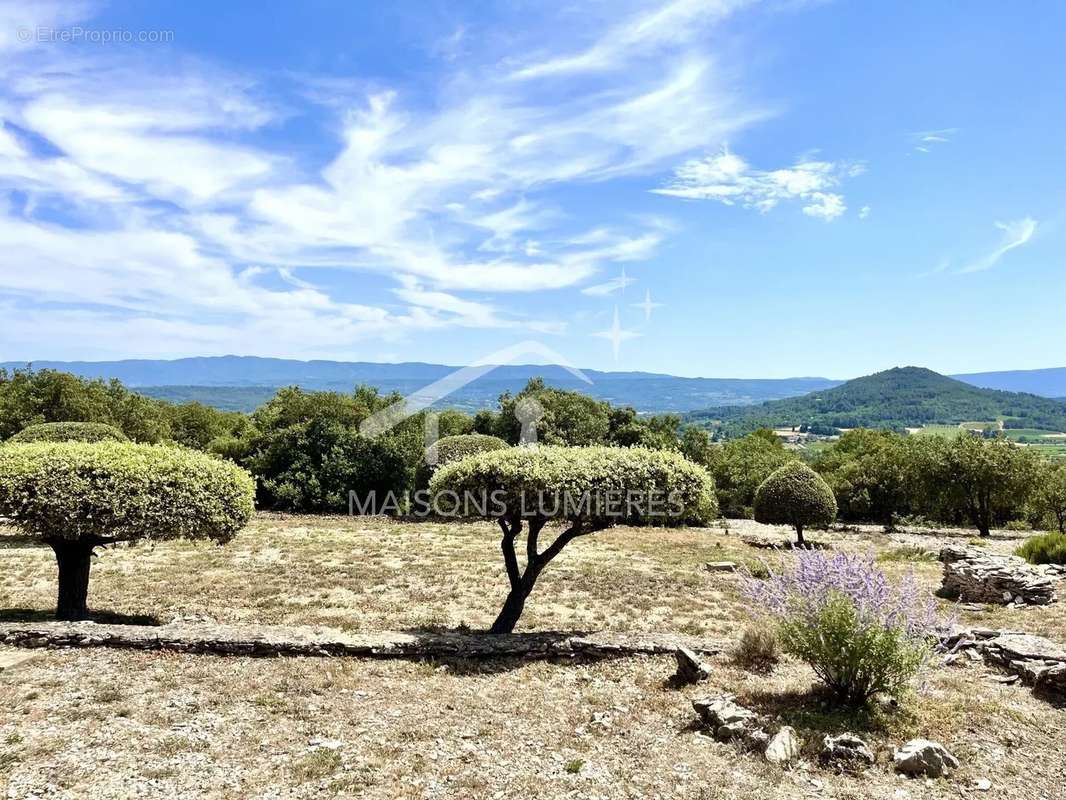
x=841 y=614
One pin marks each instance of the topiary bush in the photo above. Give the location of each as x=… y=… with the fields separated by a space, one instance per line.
x=860 y=634
x=1049 y=548
x=451 y=448
x=796 y=495
x=69 y=432
x=586 y=488
x=77 y=496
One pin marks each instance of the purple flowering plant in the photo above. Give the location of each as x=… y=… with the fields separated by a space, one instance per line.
x=862 y=634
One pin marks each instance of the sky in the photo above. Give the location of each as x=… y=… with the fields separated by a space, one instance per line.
x=718 y=188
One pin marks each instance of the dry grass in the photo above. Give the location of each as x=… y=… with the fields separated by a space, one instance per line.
x=123 y=724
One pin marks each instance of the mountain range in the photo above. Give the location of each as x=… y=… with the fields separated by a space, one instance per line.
x=245 y=382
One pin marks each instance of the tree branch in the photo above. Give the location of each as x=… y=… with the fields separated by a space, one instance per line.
x=510 y=559
x=567 y=536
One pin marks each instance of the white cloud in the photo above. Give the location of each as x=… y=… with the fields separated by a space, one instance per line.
x=669 y=25
x=1015 y=234
x=864 y=212
x=179 y=217
x=729 y=179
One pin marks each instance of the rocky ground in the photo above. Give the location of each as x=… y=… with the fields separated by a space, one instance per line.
x=110 y=723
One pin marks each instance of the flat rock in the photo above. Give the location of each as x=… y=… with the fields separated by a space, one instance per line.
x=689 y=667
x=1039 y=662
x=922 y=757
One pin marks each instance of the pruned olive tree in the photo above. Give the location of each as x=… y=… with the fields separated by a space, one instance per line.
x=69 y=432
x=796 y=495
x=451 y=448
x=76 y=497
x=587 y=489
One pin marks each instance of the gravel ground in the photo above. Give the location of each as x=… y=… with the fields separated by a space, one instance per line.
x=117 y=724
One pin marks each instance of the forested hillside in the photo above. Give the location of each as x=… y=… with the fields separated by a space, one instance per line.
x=897 y=398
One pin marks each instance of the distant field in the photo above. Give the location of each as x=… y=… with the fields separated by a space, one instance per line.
x=937 y=430
x=1050 y=444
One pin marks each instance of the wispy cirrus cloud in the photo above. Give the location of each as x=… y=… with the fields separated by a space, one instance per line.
x=729 y=179
x=1014 y=234
x=926 y=141
x=169 y=185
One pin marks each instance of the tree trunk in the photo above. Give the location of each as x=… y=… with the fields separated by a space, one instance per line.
x=74 y=558
x=799 y=535
x=511 y=611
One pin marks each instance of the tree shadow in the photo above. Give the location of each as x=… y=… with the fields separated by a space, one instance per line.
x=816 y=711
x=102 y=617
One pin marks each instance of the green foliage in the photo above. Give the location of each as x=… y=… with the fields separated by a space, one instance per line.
x=122 y=491
x=869 y=474
x=856 y=660
x=30 y=398
x=452 y=448
x=741 y=465
x=306 y=450
x=988 y=480
x=196 y=425
x=1050 y=548
x=69 y=432
x=567 y=418
x=530 y=473
x=795 y=495
x=1051 y=494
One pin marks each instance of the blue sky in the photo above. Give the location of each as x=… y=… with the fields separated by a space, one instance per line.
x=799 y=188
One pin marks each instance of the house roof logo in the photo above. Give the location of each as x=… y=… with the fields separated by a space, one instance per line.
x=528 y=410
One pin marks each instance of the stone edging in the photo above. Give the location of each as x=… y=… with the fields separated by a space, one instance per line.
x=278 y=640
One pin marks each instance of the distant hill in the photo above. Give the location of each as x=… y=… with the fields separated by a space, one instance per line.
x=896 y=398
x=243 y=383
x=1045 y=382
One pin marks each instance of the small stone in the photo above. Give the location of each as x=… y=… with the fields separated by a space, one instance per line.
x=846 y=749
x=784 y=747
x=720 y=566
x=983 y=784
x=921 y=757
x=689 y=667
x=319 y=743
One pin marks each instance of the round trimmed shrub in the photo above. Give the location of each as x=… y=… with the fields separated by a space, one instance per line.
x=453 y=448
x=796 y=495
x=69 y=432
x=77 y=496
x=587 y=488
